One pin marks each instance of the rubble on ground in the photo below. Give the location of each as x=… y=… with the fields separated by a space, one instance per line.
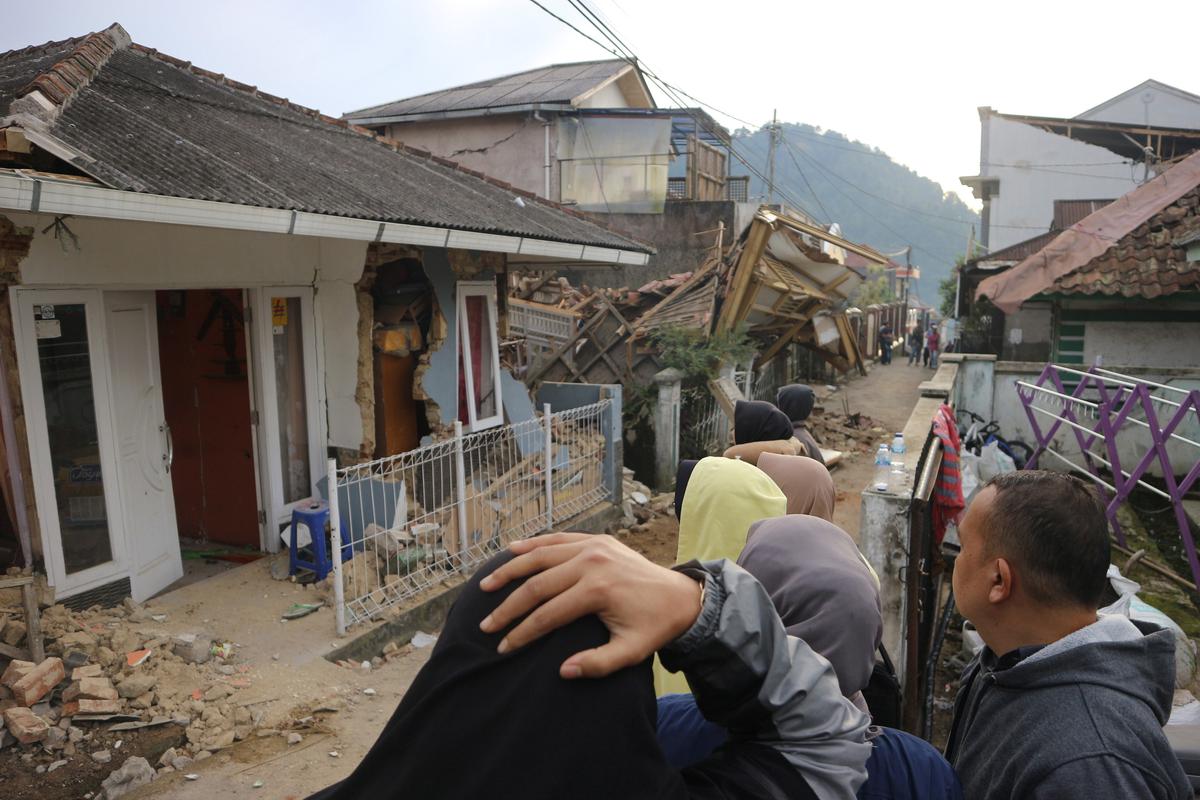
x=98 y=677
x=850 y=433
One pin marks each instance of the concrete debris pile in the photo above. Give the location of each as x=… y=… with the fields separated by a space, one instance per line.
x=116 y=666
x=850 y=433
x=639 y=503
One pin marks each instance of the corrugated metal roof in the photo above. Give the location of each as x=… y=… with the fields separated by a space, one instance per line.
x=146 y=122
x=1068 y=212
x=557 y=84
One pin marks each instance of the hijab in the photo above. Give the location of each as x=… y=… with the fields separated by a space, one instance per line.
x=682 y=475
x=797 y=401
x=759 y=421
x=822 y=589
x=468 y=700
x=723 y=498
x=806 y=484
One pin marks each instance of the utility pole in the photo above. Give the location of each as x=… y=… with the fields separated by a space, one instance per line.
x=774 y=144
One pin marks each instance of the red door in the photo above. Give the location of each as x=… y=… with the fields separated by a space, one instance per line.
x=206 y=394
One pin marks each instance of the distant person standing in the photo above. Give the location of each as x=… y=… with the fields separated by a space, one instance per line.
x=885 y=343
x=933 y=341
x=916 y=343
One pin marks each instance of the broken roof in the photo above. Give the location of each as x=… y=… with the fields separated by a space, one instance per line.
x=1129 y=247
x=559 y=85
x=141 y=121
x=1132 y=141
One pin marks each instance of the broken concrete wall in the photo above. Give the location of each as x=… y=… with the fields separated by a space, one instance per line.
x=675 y=235
x=15 y=242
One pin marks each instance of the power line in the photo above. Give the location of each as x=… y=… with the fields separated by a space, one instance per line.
x=624 y=52
x=787 y=147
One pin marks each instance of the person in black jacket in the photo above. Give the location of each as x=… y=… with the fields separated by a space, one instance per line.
x=540 y=687
x=1062 y=702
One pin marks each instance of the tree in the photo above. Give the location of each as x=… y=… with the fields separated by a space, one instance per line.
x=874 y=290
x=947 y=290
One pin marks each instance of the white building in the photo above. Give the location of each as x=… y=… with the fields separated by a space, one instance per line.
x=1026 y=163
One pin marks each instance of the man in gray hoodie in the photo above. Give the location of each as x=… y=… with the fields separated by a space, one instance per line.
x=1061 y=703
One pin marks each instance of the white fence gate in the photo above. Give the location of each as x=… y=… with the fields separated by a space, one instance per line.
x=404 y=523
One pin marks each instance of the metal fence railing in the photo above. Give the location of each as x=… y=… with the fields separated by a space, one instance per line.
x=404 y=523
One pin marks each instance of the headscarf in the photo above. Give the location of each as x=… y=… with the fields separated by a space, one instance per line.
x=759 y=421
x=822 y=590
x=468 y=698
x=682 y=475
x=724 y=497
x=797 y=401
x=806 y=484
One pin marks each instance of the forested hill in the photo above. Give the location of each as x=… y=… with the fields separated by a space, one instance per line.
x=875 y=200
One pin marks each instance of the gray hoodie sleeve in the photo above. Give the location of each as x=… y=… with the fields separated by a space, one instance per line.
x=1103 y=775
x=766 y=687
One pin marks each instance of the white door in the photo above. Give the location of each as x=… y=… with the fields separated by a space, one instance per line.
x=143 y=440
x=287 y=371
x=64 y=386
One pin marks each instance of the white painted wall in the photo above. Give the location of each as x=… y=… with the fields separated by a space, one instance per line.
x=1147 y=344
x=509 y=147
x=610 y=96
x=136 y=255
x=1036 y=168
x=1031 y=166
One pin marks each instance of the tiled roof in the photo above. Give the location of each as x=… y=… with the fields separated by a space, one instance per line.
x=557 y=84
x=1148 y=262
x=147 y=122
x=1018 y=251
x=1128 y=248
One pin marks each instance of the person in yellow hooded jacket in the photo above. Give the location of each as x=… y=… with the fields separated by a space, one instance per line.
x=717 y=500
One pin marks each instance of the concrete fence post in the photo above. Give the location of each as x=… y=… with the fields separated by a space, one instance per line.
x=335 y=544
x=548 y=423
x=666 y=427
x=460 y=488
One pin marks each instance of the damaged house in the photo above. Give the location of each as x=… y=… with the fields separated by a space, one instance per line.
x=588 y=135
x=211 y=290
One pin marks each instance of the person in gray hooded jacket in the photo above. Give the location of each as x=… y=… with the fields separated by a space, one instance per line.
x=1062 y=702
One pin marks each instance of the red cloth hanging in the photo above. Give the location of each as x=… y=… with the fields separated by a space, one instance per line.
x=948 y=500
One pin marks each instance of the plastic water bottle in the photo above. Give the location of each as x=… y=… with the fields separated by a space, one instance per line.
x=898 y=444
x=897 y=477
x=883 y=466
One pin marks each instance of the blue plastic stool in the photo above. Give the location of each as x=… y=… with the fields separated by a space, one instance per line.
x=313 y=514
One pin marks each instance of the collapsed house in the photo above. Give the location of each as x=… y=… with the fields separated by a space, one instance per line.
x=783 y=282
x=212 y=290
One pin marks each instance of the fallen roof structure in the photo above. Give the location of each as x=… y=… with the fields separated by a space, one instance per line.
x=777 y=283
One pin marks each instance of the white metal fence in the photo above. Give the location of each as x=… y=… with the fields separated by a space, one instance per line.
x=545 y=326
x=408 y=521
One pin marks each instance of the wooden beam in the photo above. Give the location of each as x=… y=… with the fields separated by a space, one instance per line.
x=743 y=275
x=782 y=342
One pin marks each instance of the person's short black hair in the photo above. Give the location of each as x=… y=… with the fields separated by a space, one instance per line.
x=1053 y=526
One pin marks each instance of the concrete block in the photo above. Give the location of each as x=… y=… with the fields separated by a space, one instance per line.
x=38 y=682
x=26 y=726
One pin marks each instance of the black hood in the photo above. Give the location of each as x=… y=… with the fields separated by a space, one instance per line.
x=796 y=401
x=759 y=421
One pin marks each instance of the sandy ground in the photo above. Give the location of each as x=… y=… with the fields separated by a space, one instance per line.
x=886 y=394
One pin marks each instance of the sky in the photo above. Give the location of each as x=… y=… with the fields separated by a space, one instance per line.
x=904 y=77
